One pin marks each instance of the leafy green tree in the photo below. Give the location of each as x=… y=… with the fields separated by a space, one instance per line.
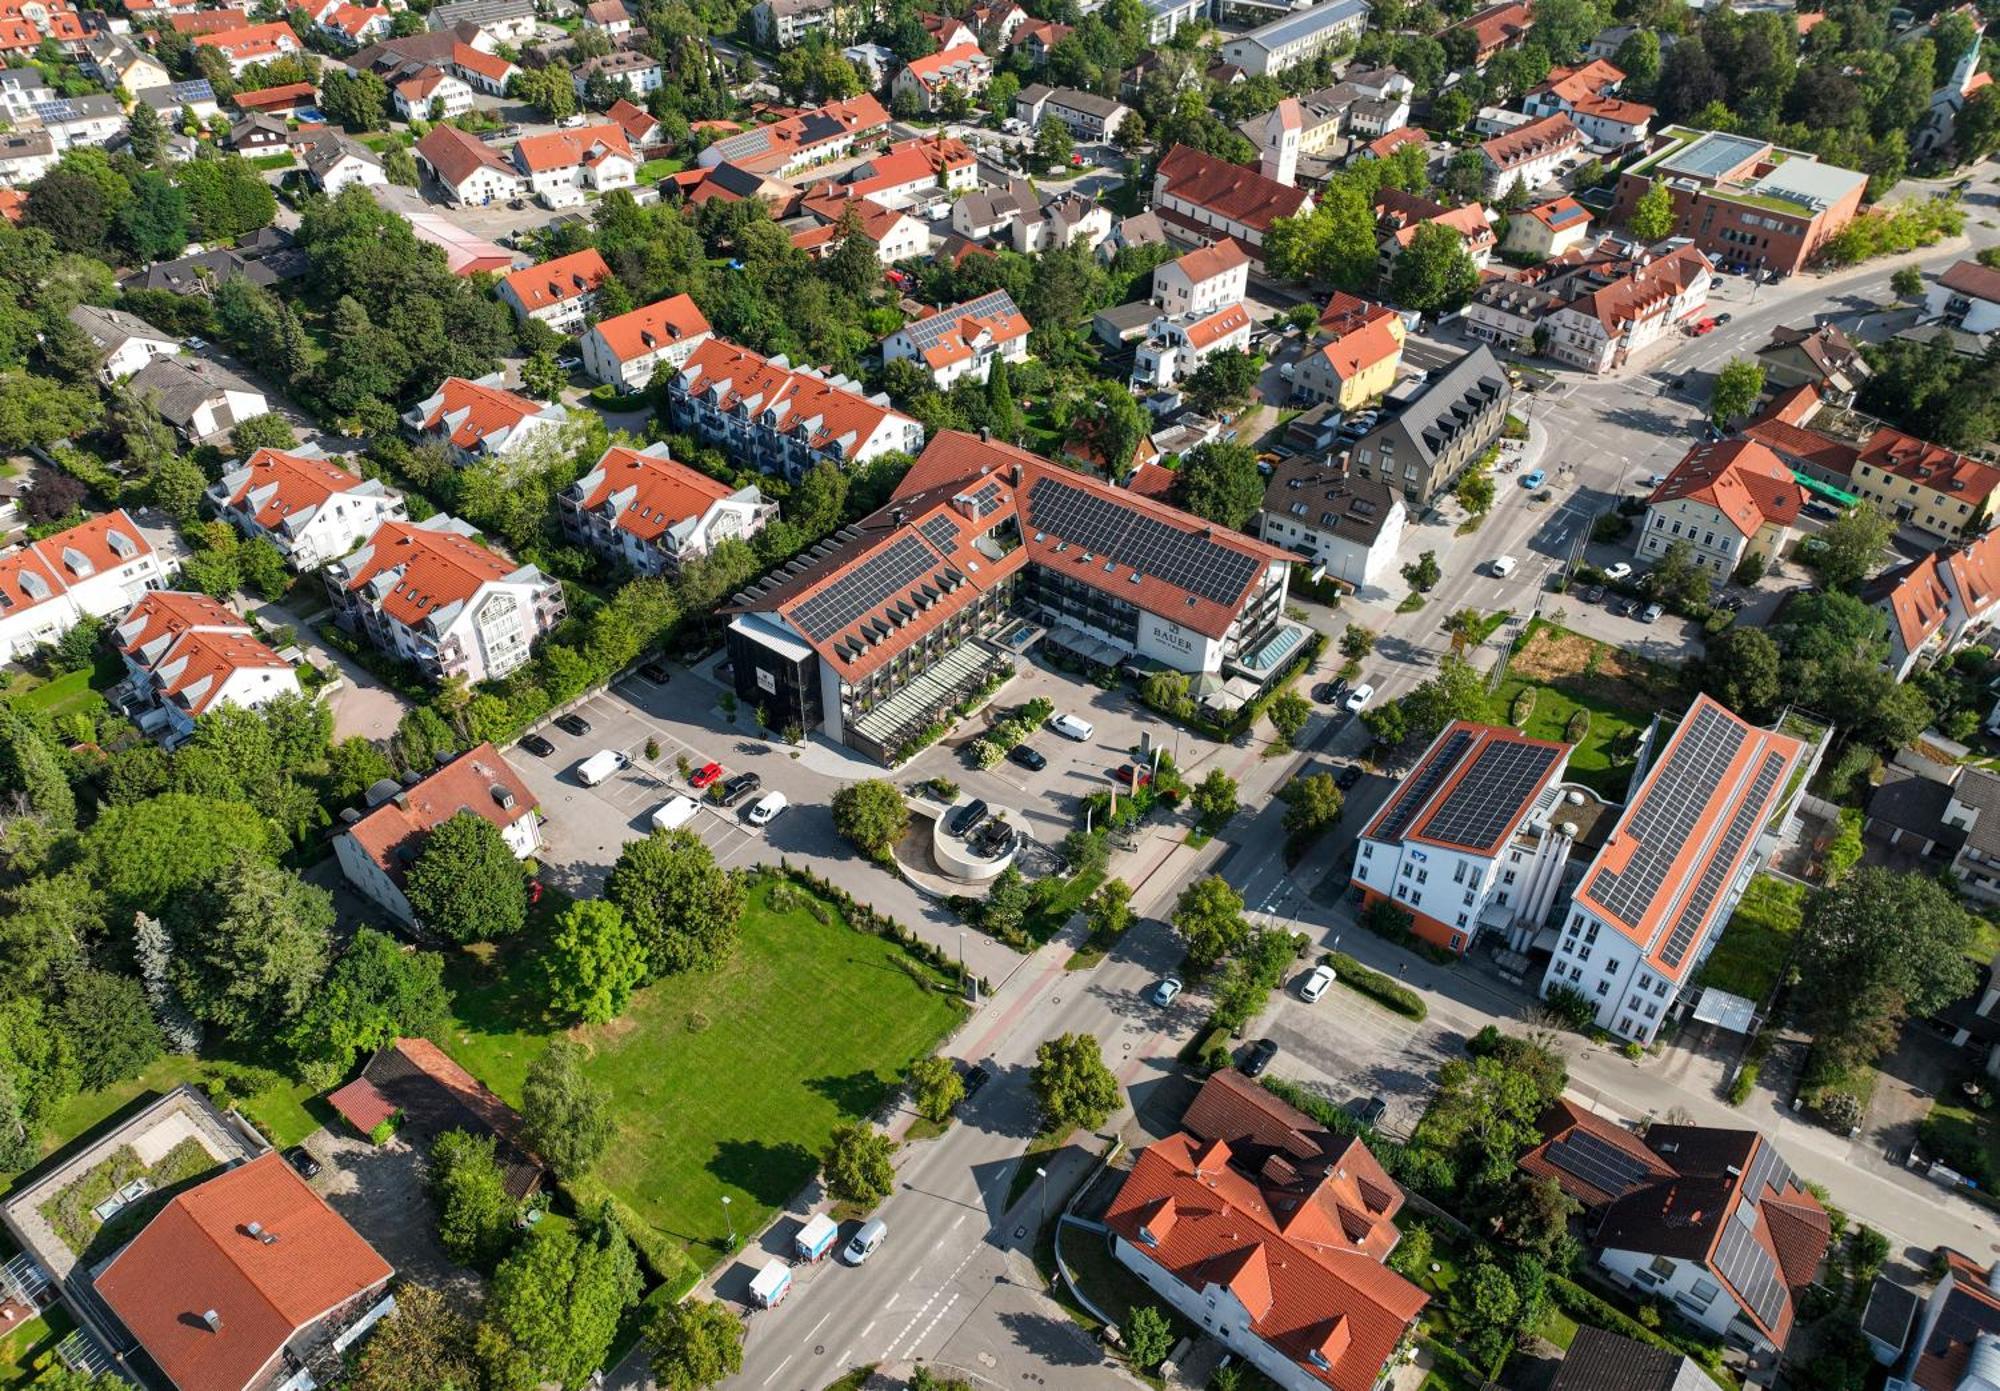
x=1209 y=918
x=377 y=992
x=357 y=100
x=1109 y=910
x=562 y=1295
x=1219 y=481
x=1335 y=244
x=466 y=883
x=1850 y=548
x=1007 y=905
x=1434 y=272
x=697 y=1343
x=677 y=901
x=1312 y=803
x=593 y=963
x=1423 y=573
x=38 y=411
x=1677 y=581
x=1003 y=413
x=1653 y=215
x=38 y=1073
x=267 y=431
x=541 y=379
x=567 y=1116
x=475 y=1215
x=1908 y=283
x=1289 y=712
x=936 y=1088
x=177 y=488
x=157 y=852
x=262 y=567
x=1476 y=491
x=1072 y=1085
x=1533 y=1214
x=425 y=1342
x=871 y=815
x=856 y=1165
x=1737 y=387
x=1449 y=112
x=1148 y=1337
x=399 y=166
x=252 y=949
x=1356 y=642
x=1053 y=145
x=110 y=1026
x=1455 y=692
x=1214 y=798
x=153 y=222
x=1742 y=671
x=1224 y=381
x=226 y=197
x=1387 y=722
x=30 y=767
x=144 y=130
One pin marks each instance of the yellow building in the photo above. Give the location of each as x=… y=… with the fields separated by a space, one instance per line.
x=1925 y=485
x=1356 y=360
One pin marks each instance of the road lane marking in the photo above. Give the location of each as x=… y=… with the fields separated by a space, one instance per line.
x=821 y=1324
x=781 y=1370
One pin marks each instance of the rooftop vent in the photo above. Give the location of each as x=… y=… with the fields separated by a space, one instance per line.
x=213 y=1320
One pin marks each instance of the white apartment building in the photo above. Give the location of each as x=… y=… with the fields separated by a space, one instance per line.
x=561 y=293
x=964 y=340
x=625 y=351
x=1202 y=281
x=1297 y=37
x=1175 y=348
x=1727 y=501
x=563 y=165
x=93 y=570
x=308 y=506
x=185 y=654
x=643 y=509
x=481 y=419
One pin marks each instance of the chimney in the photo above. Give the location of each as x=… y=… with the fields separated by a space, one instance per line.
x=213 y=1320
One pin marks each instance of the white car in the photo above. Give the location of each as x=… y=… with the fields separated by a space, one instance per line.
x=195 y=344
x=766 y=808
x=1071 y=727
x=1167 y=991
x=1503 y=566
x=1358 y=698
x=1619 y=571
x=1315 y=984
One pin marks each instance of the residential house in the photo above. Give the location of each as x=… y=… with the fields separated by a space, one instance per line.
x=115 y=61
x=305 y=504
x=286 y=100
x=1530 y=155
x=785 y=23
x=962 y=341
x=498 y=21
x=242 y=1277
x=1201 y=199
x=1064 y=219
x=376 y=851
x=25 y=156
x=1087 y=115
x=947 y=31
x=1347 y=525
x=480 y=419
x=435 y=94
x=1496 y=27
x=1957 y=1342
x=199 y=273
x=1823 y=357
x=1925 y=486
x=642 y=509
x=1652 y=905
x=993 y=209
x=1597 y=1360
x=472 y=173
x=1974 y=811
x=1477 y=838
x=1508 y=312
x=1354 y=360
x=1967 y=297
x=351 y=26
x=22 y=89
x=627 y=349
x=124 y=342
x=911 y=172
x=429 y=593
x=1425 y=446
x=464 y=50
x=1165 y=18
x=1728 y=501
x=1175 y=347
x=1743 y=201
x=1782 y=430
x=785 y=148
x=626 y=69
x=93 y=570
x=1629 y=305
x=168 y=102
x=966 y=69
x=199 y=398
x=1939 y=603
x=1588 y=96
x=1399 y=216
x=1037 y=39
x=73 y=122
x=611 y=17
x=1204 y=280
x=561 y=293
x=873 y=63
x=639 y=124
x=783 y=419
x=335 y=161
x=817 y=228
x=562 y=165
x=251 y=43
x=1296 y=37
x=1548 y=230
x=415 y=1083
x=259 y=134
x=186 y=654
x=1273 y=1244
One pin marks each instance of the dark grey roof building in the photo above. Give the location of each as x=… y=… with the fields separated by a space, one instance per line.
x=1333 y=517
x=1601 y=1361
x=1424 y=448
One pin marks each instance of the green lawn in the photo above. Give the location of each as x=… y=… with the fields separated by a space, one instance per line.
x=27 y=1341
x=1967 y=1140
x=1571 y=673
x=727 y=1083
x=653 y=170
x=64 y=695
x=1754 y=947
x=1985 y=942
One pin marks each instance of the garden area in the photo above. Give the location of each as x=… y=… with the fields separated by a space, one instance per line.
x=1564 y=686
x=72 y=1214
x=725 y=1083
x=28 y=1348
x=1751 y=957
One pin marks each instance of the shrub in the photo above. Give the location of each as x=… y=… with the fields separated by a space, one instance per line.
x=1377 y=986
x=1578 y=726
x=1841 y=1110
x=1745 y=1083
x=1524 y=706
x=1634 y=1050
x=385 y=1131
x=1571 y=1006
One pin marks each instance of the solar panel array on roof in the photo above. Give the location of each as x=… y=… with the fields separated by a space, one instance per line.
x=1667 y=814
x=1482 y=806
x=1127 y=536
x=1695 y=911
x=942 y=532
x=1598 y=1163
x=865 y=588
x=1767 y=1170
x=927 y=333
x=1749 y=1269
x=1417 y=790
x=986 y=499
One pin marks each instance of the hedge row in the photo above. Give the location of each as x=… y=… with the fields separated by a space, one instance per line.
x=1585 y=1307
x=864 y=917
x=1377 y=986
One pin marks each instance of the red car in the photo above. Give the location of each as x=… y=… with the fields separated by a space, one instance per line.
x=1132 y=775
x=704 y=775
x=1696 y=330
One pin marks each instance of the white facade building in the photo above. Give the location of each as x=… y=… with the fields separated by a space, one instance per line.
x=309 y=507
x=94 y=570
x=643 y=509
x=185 y=655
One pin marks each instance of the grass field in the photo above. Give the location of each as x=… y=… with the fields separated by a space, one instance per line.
x=653 y=170
x=1754 y=947
x=727 y=1083
x=27 y=1341
x=1571 y=673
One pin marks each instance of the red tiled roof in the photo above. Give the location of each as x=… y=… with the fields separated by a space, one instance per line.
x=488 y=65
x=564 y=149
x=204 y=645
x=1213 y=329
x=742 y=375
x=1930 y=466
x=1972 y=1308
x=265 y=98
x=1741 y=479
x=1918 y=603
x=912 y=161
x=1532 y=141
x=439 y=569
x=457 y=156
x=361 y=1106
x=300 y=483
x=1357 y=350
x=46 y=560
x=476 y=413
x=1345 y=313
x=252 y=41
x=1335 y=1312
x=768 y=147
x=207 y=22
x=941 y=64
x=1205 y=263
x=471 y=782
x=1558 y=213
x=1497 y=25
x=1230 y=191
x=1382 y=146
x=1971 y=278
x=13 y=204
x=565 y=278
x=1574 y=84
x=664 y=492
x=635 y=120
x=652 y=327
x=1631 y=113
x=352 y=19
x=1975 y=571
x=1003 y=325
x=198 y=1255
x=1647 y=290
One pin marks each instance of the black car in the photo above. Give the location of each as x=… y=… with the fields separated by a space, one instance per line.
x=734 y=789
x=573 y=724
x=537 y=745
x=1329 y=692
x=1258 y=1056
x=1592 y=594
x=963 y=819
x=1721 y=319
x=1349 y=774
x=975 y=1078
x=1370 y=1111
x=300 y=1158
x=1820 y=510
x=657 y=672
x=1618 y=608
x=1027 y=756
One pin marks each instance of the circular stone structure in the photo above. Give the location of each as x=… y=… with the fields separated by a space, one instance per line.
x=978 y=856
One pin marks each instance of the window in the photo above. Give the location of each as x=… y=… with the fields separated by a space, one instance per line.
x=1575 y=973
x=1477 y=875
x=1408 y=869
x=1663 y=1268
x=1660 y=989
x=1423 y=876
x=1604 y=987
x=1458 y=873
x=1583 y=953
x=1461 y=920
x=1591 y=936
x=1507 y=876
x=1367 y=851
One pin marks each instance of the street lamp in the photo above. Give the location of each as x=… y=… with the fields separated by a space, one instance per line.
x=1043 y=1175
x=730 y=1218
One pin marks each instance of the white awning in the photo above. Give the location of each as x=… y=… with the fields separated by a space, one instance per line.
x=1731 y=1012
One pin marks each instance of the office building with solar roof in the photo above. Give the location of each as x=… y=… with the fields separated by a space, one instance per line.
x=1651 y=906
x=1477 y=837
x=873 y=635
x=1711 y=1221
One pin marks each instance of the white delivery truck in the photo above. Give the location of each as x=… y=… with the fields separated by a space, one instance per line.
x=599 y=766
x=671 y=816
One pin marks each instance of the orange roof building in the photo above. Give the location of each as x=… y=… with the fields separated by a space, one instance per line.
x=1356 y=361
x=376 y=852
x=235 y=1271
x=252 y=43
x=963 y=340
x=1654 y=900
x=1628 y=306
x=292 y=96
x=430 y=593
x=306 y=505
x=1495 y=27
x=96 y=569
x=473 y=172
x=1723 y=502
x=628 y=349
x=1937 y=604
x=654 y=514
x=481 y=419
x=1203 y=199
x=789 y=146
x=1924 y=485
x=560 y=292
x=185 y=654
x=964 y=67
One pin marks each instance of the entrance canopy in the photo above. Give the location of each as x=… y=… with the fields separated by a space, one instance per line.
x=1726 y=1011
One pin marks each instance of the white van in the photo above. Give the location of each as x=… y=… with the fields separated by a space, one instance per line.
x=599 y=766
x=865 y=1242
x=1073 y=727
x=767 y=807
x=671 y=816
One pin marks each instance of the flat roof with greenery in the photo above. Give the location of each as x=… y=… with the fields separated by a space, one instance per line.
x=1618 y=692
x=1753 y=949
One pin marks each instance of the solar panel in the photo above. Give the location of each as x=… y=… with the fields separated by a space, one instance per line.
x=864 y=589
x=1747 y=1266
x=1767 y=1169
x=1484 y=803
x=1667 y=813
x=942 y=532
x=1418 y=788
x=1598 y=1163
x=1123 y=534
x=986 y=499
x=1720 y=864
x=927 y=333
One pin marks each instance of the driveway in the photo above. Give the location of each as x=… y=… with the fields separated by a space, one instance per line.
x=361 y=704
x=380 y=1191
